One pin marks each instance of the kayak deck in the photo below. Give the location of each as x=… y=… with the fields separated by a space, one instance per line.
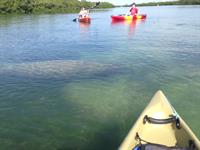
x=156 y=129
x=128 y=17
x=85 y=20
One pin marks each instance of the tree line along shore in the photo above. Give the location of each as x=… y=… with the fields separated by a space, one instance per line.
x=69 y=6
x=178 y=2
x=47 y=6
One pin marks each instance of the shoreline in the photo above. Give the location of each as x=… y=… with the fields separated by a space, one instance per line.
x=168 y=3
x=73 y=12
x=48 y=6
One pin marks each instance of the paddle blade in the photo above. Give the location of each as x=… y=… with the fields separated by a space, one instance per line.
x=97 y=3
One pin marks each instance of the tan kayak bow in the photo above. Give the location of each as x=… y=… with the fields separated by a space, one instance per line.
x=160 y=124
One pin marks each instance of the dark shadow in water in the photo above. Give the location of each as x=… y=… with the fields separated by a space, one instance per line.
x=101 y=141
x=109 y=138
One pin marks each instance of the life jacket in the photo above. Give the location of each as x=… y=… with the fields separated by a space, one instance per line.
x=83 y=13
x=133 y=11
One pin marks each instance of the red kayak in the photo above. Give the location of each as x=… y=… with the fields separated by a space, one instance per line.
x=128 y=17
x=84 y=20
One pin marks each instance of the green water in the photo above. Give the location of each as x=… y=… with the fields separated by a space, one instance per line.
x=66 y=86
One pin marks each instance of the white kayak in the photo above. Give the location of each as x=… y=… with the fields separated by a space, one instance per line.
x=159 y=127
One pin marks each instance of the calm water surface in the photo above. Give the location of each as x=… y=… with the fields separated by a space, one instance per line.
x=65 y=85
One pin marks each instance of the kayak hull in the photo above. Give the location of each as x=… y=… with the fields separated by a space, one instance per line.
x=164 y=134
x=85 y=20
x=128 y=17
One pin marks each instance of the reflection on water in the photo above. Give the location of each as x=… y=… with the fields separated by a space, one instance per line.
x=84 y=27
x=130 y=24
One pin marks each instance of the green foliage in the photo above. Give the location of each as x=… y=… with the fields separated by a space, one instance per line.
x=47 y=6
x=179 y=2
x=159 y=3
x=189 y=2
x=105 y=5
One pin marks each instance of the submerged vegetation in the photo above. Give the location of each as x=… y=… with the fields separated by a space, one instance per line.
x=47 y=6
x=178 y=2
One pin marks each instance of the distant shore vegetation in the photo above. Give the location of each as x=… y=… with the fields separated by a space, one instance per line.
x=47 y=6
x=179 y=2
x=69 y=6
x=165 y=3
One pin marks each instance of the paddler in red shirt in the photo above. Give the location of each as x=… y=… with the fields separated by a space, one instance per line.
x=133 y=10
